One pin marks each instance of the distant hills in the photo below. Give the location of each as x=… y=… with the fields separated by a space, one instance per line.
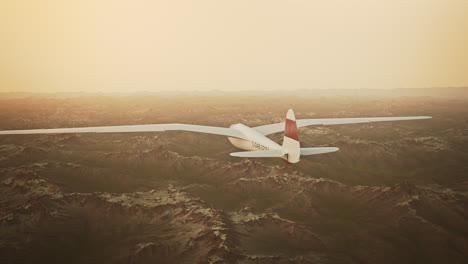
x=439 y=92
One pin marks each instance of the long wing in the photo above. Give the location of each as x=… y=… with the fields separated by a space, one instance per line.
x=278 y=127
x=134 y=128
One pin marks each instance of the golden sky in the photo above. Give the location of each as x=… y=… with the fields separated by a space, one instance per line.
x=137 y=45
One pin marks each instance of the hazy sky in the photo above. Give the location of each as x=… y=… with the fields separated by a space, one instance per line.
x=152 y=45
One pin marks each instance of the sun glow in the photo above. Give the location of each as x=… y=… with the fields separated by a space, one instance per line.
x=124 y=46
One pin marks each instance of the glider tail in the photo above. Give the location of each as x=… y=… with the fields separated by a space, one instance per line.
x=291 y=139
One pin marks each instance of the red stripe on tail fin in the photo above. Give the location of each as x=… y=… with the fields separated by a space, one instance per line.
x=290 y=130
x=291 y=139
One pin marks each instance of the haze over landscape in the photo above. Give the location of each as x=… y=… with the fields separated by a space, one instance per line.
x=395 y=192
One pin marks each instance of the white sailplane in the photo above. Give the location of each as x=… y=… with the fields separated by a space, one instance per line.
x=252 y=139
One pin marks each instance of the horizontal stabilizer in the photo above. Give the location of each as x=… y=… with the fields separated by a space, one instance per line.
x=275 y=153
x=315 y=151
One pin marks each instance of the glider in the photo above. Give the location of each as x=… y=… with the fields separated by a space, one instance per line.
x=252 y=139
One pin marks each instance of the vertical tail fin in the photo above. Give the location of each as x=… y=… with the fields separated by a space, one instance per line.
x=291 y=138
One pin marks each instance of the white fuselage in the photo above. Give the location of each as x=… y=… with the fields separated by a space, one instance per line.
x=254 y=141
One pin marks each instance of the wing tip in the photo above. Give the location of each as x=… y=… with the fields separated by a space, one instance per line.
x=420 y=117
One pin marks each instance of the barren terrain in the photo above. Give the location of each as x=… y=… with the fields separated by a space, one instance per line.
x=396 y=192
